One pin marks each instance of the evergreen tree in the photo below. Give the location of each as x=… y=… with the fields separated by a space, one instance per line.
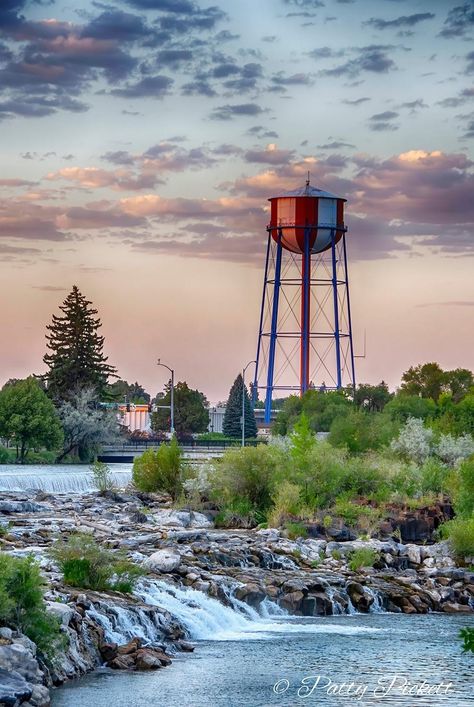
x=76 y=359
x=233 y=413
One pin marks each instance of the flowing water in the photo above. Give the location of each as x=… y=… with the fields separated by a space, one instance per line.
x=247 y=659
x=57 y=478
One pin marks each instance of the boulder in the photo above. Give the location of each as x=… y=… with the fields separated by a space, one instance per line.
x=17 y=658
x=62 y=611
x=251 y=594
x=414 y=554
x=131 y=647
x=40 y=696
x=180 y=519
x=108 y=651
x=361 y=599
x=163 y=561
x=147 y=660
x=185 y=646
x=292 y=602
x=122 y=662
x=13 y=688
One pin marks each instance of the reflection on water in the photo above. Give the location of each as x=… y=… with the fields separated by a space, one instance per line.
x=243 y=673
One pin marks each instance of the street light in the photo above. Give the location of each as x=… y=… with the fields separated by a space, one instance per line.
x=158 y=363
x=243 y=401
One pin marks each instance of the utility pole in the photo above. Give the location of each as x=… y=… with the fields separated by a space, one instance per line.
x=171 y=370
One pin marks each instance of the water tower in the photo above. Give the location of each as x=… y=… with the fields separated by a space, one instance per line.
x=305 y=333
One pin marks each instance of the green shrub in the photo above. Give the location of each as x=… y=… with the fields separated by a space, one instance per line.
x=460 y=533
x=246 y=473
x=350 y=512
x=7 y=456
x=22 y=606
x=296 y=530
x=364 y=557
x=464 y=495
x=102 y=477
x=160 y=470
x=360 y=431
x=240 y=513
x=286 y=503
x=86 y=564
x=433 y=476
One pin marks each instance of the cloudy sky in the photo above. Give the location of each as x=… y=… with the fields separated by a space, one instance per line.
x=140 y=141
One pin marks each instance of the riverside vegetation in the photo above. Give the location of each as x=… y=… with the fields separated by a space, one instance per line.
x=298 y=482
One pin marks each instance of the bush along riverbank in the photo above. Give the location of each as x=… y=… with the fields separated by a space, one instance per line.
x=167 y=560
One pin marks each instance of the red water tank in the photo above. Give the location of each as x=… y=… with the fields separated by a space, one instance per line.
x=308 y=207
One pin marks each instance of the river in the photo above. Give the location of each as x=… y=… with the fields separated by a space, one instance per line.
x=267 y=667
x=57 y=478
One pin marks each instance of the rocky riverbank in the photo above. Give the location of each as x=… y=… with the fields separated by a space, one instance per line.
x=186 y=559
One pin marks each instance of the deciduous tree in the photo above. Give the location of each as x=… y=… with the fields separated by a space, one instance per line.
x=191 y=411
x=28 y=418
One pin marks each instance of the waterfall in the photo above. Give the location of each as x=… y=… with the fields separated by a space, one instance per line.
x=61 y=478
x=206 y=618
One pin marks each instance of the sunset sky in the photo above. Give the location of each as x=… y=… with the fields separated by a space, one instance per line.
x=141 y=139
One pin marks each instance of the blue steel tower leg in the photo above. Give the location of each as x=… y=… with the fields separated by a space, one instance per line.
x=260 y=329
x=336 y=311
x=273 y=332
x=349 y=318
x=305 y=313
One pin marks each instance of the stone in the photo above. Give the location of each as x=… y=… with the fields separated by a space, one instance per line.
x=180 y=519
x=122 y=662
x=414 y=555
x=13 y=688
x=292 y=602
x=131 y=647
x=147 y=660
x=163 y=561
x=6 y=633
x=108 y=651
x=17 y=658
x=185 y=646
x=452 y=607
x=62 y=611
x=20 y=507
x=40 y=696
x=251 y=594
x=361 y=599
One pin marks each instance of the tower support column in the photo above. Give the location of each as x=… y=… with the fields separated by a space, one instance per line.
x=305 y=312
x=273 y=330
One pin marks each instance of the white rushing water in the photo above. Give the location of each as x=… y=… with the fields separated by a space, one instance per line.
x=60 y=478
x=206 y=618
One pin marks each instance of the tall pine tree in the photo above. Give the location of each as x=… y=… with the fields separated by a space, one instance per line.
x=233 y=413
x=76 y=360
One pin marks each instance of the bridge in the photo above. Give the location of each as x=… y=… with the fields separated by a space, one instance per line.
x=193 y=450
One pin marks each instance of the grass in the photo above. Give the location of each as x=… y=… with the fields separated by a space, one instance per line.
x=296 y=530
x=460 y=533
x=364 y=557
x=86 y=564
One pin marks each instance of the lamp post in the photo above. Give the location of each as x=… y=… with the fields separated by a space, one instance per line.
x=158 y=363
x=243 y=401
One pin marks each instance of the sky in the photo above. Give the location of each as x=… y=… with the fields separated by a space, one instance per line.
x=141 y=139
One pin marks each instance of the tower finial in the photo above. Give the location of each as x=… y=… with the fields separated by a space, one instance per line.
x=307 y=181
